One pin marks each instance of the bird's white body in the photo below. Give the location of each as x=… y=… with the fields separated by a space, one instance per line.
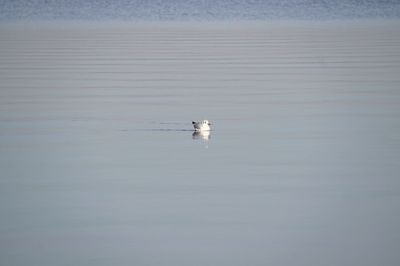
x=204 y=125
x=204 y=135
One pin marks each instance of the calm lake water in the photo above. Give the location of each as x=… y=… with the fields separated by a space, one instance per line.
x=99 y=165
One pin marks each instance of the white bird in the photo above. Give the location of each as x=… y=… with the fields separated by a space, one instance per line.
x=204 y=135
x=202 y=126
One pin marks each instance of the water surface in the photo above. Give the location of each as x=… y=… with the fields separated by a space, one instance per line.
x=99 y=165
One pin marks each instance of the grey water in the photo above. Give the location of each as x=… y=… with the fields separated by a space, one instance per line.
x=99 y=164
x=191 y=10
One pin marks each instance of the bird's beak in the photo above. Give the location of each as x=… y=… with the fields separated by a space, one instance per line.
x=209 y=124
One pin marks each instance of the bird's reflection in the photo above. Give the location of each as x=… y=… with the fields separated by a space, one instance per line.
x=204 y=135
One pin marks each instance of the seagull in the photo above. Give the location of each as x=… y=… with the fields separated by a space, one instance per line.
x=204 y=135
x=202 y=126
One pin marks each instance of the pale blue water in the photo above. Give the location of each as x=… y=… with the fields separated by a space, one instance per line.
x=193 y=10
x=99 y=166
